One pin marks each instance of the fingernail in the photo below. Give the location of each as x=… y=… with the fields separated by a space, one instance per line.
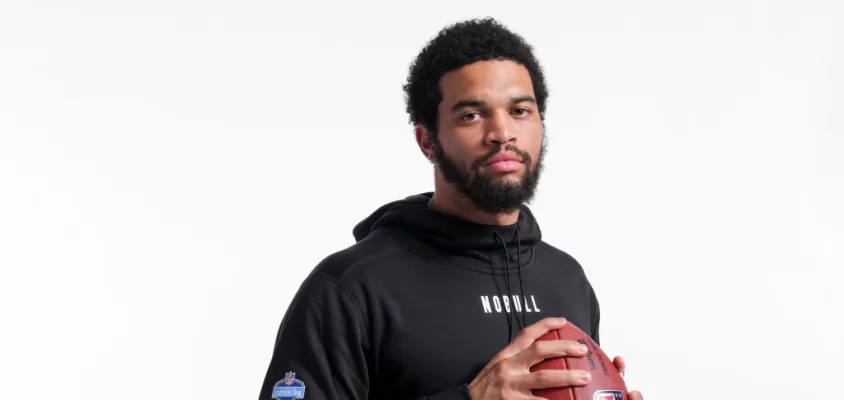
x=581 y=348
x=560 y=320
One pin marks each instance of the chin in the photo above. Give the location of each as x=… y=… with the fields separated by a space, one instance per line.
x=515 y=176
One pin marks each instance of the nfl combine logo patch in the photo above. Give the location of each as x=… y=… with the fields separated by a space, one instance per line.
x=608 y=395
x=289 y=388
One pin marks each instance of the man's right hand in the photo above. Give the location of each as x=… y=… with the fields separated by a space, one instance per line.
x=507 y=376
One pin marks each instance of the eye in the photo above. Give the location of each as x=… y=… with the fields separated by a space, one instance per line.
x=468 y=117
x=521 y=112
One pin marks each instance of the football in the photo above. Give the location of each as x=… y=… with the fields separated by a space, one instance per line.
x=606 y=383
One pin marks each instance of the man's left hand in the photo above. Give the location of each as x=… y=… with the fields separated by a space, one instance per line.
x=619 y=363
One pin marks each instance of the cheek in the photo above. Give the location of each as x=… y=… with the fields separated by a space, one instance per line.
x=456 y=150
x=533 y=144
x=536 y=148
x=458 y=157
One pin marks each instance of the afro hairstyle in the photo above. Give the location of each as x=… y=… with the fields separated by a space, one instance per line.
x=458 y=45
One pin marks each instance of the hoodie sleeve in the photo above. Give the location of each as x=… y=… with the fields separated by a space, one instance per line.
x=595 y=310
x=320 y=348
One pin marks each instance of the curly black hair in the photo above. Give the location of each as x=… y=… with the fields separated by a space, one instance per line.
x=458 y=45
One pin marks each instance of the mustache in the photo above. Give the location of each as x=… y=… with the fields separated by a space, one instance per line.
x=523 y=155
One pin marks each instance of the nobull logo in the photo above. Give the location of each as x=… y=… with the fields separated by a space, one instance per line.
x=509 y=304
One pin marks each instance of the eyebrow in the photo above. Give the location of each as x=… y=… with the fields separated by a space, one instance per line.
x=480 y=103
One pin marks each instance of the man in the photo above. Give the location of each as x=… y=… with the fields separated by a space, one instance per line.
x=444 y=294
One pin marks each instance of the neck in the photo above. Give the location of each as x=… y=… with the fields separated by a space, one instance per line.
x=448 y=200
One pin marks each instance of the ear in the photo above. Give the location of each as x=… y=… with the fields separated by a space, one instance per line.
x=423 y=139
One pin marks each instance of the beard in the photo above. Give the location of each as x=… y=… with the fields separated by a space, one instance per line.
x=487 y=193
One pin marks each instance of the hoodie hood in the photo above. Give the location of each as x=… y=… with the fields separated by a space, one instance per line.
x=489 y=248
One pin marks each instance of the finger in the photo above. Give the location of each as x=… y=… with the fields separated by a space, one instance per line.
x=529 y=335
x=635 y=395
x=552 y=378
x=543 y=349
x=619 y=364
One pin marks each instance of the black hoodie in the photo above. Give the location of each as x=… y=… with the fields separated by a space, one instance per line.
x=419 y=305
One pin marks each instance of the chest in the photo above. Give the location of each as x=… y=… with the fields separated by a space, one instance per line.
x=434 y=339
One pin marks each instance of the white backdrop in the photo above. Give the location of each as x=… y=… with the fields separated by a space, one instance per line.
x=170 y=171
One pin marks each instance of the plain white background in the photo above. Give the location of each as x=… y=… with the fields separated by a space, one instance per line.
x=170 y=171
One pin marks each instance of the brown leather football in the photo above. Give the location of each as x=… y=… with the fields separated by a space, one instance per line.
x=606 y=383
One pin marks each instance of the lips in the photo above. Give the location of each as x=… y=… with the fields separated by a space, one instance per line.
x=504 y=162
x=504 y=157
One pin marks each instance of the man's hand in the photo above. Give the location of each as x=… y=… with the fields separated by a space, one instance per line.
x=619 y=363
x=508 y=376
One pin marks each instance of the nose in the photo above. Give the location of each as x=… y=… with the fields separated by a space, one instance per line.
x=500 y=130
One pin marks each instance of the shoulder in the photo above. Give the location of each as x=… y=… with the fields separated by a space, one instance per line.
x=347 y=275
x=566 y=266
x=561 y=258
x=364 y=258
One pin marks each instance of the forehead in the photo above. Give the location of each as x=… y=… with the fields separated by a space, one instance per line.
x=492 y=80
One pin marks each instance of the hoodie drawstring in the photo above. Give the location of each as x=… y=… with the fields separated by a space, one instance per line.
x=521 y=283
x=519 y=269
x=509 y=293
